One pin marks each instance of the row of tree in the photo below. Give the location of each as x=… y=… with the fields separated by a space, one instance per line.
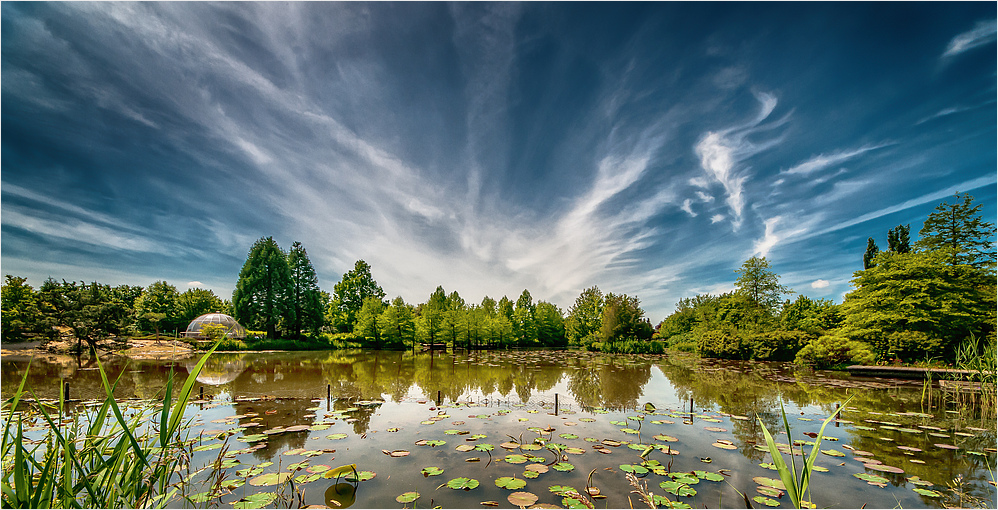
x=910 y=302
x=93 y=311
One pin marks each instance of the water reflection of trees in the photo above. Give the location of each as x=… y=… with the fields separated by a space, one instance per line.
x=608 y=382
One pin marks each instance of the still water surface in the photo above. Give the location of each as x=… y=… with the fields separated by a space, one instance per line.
x=351 y=407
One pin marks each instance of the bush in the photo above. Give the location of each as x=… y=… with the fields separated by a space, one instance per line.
x=684 y=342
x=777 y=345
x=835 y=351
x=630 y=346
x=911 y=346
x=722 y=344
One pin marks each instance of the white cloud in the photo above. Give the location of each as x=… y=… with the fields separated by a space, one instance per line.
x=823 y=161
x=819 y=284
x=705 y=197
x=194 y=284
x=769 y=239
x=982 y=33
x=720 y=153
x=717 y=218
x=686 y=207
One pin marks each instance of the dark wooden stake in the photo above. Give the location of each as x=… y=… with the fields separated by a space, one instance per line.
x=556 y=404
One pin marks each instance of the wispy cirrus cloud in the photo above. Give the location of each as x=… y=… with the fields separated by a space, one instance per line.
x=823 y=161
x=721 y=153
x=982 y=33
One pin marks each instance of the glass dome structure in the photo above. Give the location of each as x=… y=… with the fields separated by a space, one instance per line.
x=233 y=328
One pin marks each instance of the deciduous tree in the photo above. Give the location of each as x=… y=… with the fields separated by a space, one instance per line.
x=349 y=295
x=585 y=316
x=757 y=281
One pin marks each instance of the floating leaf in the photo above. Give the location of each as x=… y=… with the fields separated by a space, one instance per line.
x=206 y=447
x=407 y=497
x=927 y=492
x=563 y=466
x=866 y=477
x=318 y=468
x=270 y=479
x=724 y=446
x=537 y=468
x=484 y=447
x=618 y=423
x=884 y=467
x=631 y=468
x=769 y=491
x=398 y=453
x=509 y=482
x=663 y=437
x=575 y=451
x=769 y=482
x=393 y=429
x=337 y=436
x=258 y=500
x=763 y=500
x=833 y=453
x=715 y=429
x=360 y=476
x=431 y=471
x=522 y=499
x=566 y=435
x=709 y=475
x=946 y=446
x=463 y=483
x=516 y=459
x=630 y=431
x=678 y=488
x=252 y=438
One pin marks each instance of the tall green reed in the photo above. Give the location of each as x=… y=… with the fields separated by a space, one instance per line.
x=797 y=484
x=101 y=461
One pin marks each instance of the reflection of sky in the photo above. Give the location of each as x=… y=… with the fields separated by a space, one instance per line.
x=648 y=148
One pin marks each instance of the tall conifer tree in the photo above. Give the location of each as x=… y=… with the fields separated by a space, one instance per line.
x=263 y=294
x=306 y=296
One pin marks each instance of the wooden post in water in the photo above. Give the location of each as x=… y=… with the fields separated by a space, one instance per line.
x=202 y=392
x=329 y=394
x=556 y=404
x=67 y=392
x=438 y=398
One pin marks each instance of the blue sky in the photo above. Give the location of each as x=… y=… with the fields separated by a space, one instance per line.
x=646 y=148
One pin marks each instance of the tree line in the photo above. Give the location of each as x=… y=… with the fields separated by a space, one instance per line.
x=911 y=302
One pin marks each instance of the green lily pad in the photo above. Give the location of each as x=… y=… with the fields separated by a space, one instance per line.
x=509 y=482
x=252 y=438
x=516 y=458
x=566 y=435
x=629 y=431
x=678 y=488
x=431 y=471
x=270 y=479
x=563 y=466
x=258 y=500
x=631 y=468
x=833 y=453
x=337 y=436
x=927 y=492
x=407 y=497
x=769 y=491
x=763 y=500
x=769 y=482
x=866 y=477
x=360 y=476
x=484 y=447
x=708 y=475
x=463 y=483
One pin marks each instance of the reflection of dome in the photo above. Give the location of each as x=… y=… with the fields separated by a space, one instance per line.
x=233 y=329
x=219 y=369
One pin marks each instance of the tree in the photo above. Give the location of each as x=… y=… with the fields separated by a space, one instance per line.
x=19 y=307
x=524 y=324
x=306 y=296
x=585 y=316
x=367 y=320
x=550 y=325
x=349 y=295
x=193 y=303
x=263 y=294
x=397 y=324
x=920 y=292
x=898 y=239
x=623 y=319
x=809 y=314
x=871 y=252
x=96 y=312
x=958 y=231
x=157 y=308
x=761 y=285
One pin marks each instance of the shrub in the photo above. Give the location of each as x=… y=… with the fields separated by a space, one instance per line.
x=912 y=345
x=777 y=345
x=629 y=346
x=723 y=344
x=834 y=351
x=685 y=342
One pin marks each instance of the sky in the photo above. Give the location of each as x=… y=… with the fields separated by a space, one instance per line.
x=646 y=148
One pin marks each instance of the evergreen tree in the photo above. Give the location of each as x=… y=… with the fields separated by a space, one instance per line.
x=306 y=296
x=758 y=282
x=871 y=252
x=263 y=294
x=397 y=325
x=524 y=322
x=192 y=303
x=550 y=325
x=349 y=295
x=585 y=316
x=898 y=239
x=958 y=231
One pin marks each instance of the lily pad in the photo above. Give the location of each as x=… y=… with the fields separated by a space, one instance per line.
x=566 y=435
x=631 y=468
x=509 y=482
x=360 y=476
x=769 y=491
x=464 y=448
x=866 y=477
x=833 y=453
x=708 y=475
x=563 y=466
x=270 y=479
x=431 y=471
x=769 y=482
x=522 y=499
x=484 y=447
x=258 y=500
x=763 y=500
x=663 y=437
x=463 y=483
x=724 y=446
x=927 y=492
x=537 y=468
x=336 y=436
x=516 y=458
x=407 y=497
x=678 y=488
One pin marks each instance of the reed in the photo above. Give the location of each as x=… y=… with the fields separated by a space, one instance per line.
x=108 y=459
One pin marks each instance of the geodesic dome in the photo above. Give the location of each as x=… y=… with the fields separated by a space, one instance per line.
x=234 y=329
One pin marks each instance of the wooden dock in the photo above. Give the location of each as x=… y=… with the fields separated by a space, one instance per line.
x=908 y=372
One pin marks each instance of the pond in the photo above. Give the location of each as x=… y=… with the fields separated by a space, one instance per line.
x=414 y=423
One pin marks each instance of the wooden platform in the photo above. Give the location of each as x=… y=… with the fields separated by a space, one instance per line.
x=907 y=372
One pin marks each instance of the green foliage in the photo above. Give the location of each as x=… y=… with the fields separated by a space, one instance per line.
x=214 y=332
x=585 y=316
x=349 y=295
x=725 y=344
x=623 y=318
x=550 y=325
x=19 y=305
x=809 y=314
x=870 y=254
x=835 y=351
x=157 y=308
x=193 y=303
x=397 y=325
x=263 y=294
x=524 y=323
x=958 y=231
x=898 y=240
x=631 y=346
x=367 y=321
x=921 y=292
x=757 y=281
x=776 y=345
x=306 y=298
